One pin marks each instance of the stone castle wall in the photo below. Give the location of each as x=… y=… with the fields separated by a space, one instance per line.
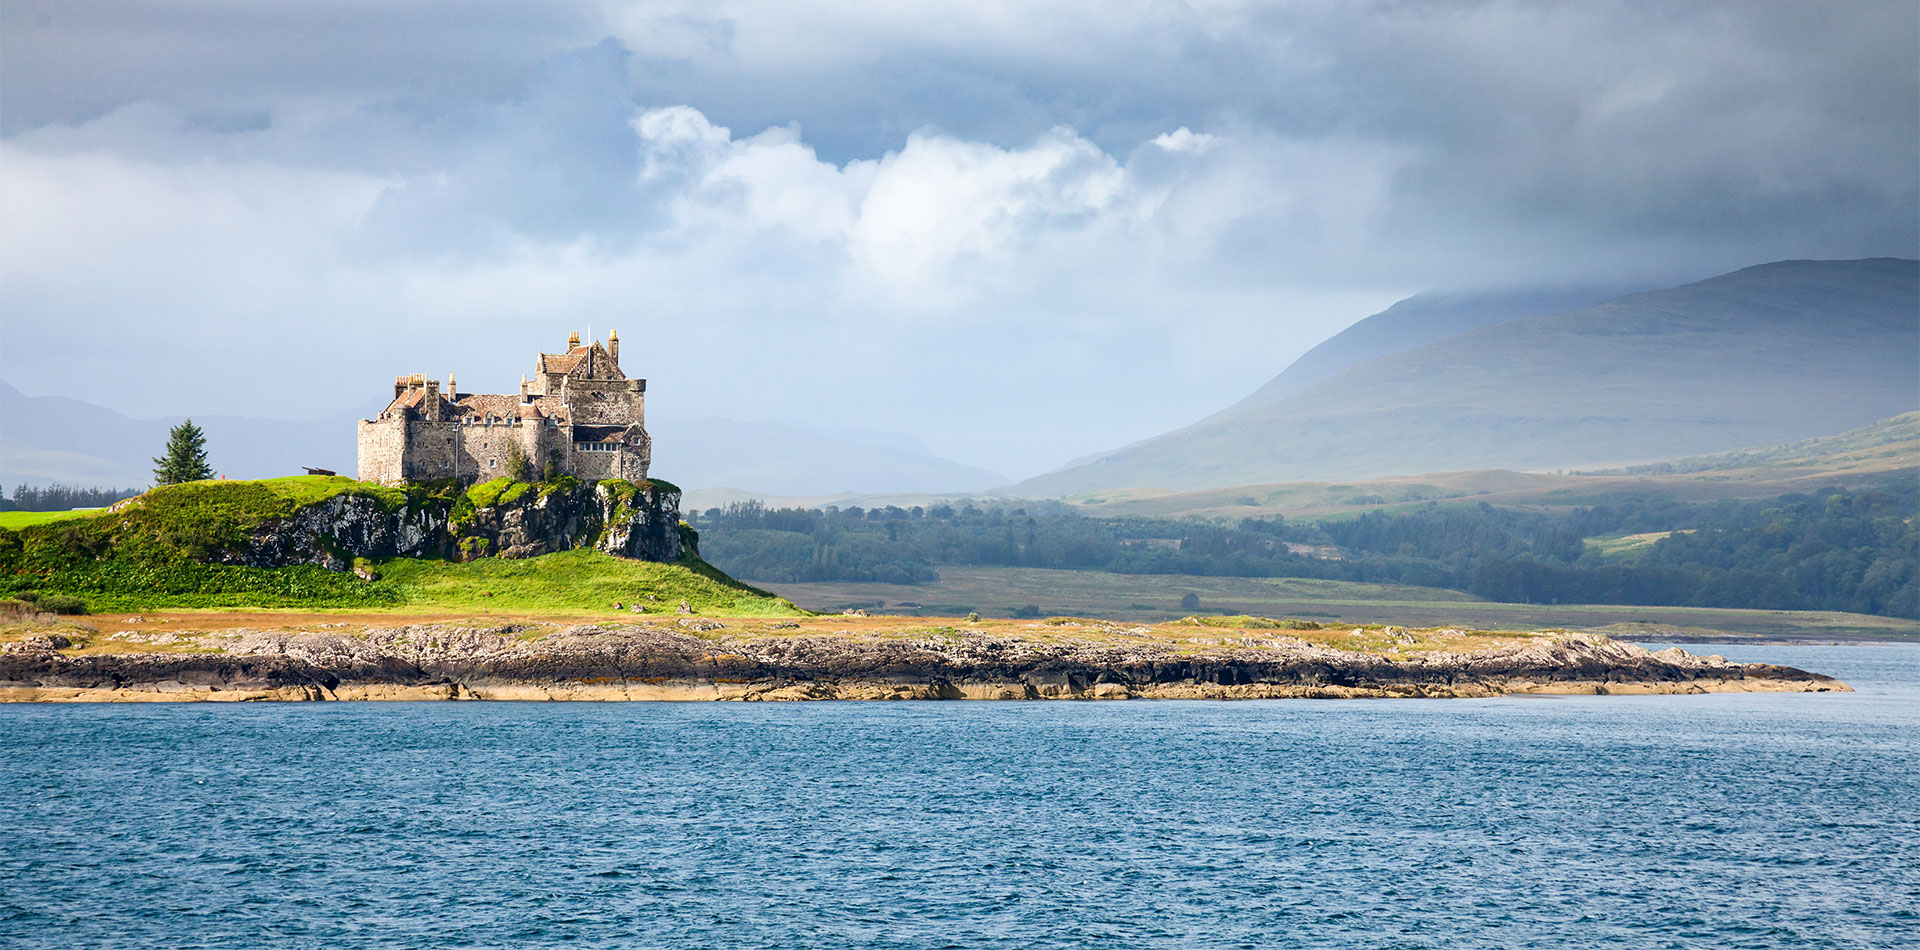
x=396 y=450
x=427 y=434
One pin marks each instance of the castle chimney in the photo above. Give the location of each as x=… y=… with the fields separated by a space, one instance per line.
x=524 y=386
x=613 y=346
x=453 y=390
x=573 y=340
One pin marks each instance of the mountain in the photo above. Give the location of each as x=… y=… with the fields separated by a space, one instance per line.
x=1772 y=353
x=1417 y=320
x=56 y=439
x=771 y=458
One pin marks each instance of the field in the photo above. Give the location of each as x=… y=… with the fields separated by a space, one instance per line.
x=1152 y=598
x=21 y=519
x=572 y=582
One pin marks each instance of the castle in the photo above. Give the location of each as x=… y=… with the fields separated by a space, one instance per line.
x=579 y=415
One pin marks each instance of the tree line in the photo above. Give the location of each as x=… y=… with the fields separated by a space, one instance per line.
x=59 y=497
x=184 y=460
x=1830 y=550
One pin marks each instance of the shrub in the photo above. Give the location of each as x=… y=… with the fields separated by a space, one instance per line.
x=1189 y=600
x=62 y=604
x=519 y=467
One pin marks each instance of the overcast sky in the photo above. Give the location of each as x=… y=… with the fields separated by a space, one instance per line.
x=1023 y=232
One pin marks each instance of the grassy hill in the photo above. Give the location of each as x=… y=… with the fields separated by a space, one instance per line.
x=161 y=551
x=1884 y=451
x=1769 y=354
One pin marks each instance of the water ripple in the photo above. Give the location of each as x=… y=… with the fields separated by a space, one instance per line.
x=1770 y=820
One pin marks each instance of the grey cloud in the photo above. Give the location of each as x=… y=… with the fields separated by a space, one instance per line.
x=477 y=165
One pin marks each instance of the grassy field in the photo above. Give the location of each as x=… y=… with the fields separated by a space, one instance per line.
x=21 y=519
x=568 y=583
x=572 y=581
x=1151 y=598
x=1619 y=546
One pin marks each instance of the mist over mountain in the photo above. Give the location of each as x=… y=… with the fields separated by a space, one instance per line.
x=786 y=459
x=58 y=439
x=1422 y=318
x=47 y=439
x=1772 y=353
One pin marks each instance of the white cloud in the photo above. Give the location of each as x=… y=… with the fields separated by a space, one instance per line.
x=1184 y=139
x=741 y=267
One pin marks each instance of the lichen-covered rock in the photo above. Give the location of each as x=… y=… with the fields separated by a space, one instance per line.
x=640 y=521
x=700 y=658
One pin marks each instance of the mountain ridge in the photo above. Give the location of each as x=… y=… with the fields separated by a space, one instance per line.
x=1766 y=354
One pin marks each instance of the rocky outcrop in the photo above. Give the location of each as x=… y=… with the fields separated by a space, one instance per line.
x=697 y=658
x=639 y=521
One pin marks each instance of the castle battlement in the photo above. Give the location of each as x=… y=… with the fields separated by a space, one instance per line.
x=578 y=415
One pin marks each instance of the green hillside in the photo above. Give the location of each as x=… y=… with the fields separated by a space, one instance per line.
x=166 y=548
x=1770 y=354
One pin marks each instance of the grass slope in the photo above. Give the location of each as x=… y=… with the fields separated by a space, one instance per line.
x=16 y=520
x=1764 y=355
x=575 y=580
x=1148 y=598
x=156 y=553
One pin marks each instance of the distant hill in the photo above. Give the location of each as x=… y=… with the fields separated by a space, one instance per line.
x=1883 y=446
x=56 y=439
x=772 y=458
x=1873 y=456
x=1416 y=321
x=1769 y=354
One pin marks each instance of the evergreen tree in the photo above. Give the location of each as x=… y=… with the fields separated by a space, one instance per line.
x=186 y=458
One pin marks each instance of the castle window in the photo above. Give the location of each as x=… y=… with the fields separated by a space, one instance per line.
x=493 y=463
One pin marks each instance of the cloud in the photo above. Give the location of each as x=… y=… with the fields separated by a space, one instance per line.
x=1025 y=233
x=1184 y=139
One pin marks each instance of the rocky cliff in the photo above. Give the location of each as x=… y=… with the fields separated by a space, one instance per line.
x=700 y=658
x=640 y=521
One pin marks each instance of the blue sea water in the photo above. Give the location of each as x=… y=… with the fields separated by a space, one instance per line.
x=1741 y=820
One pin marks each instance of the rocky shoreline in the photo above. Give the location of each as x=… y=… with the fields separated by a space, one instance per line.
x=701 y=659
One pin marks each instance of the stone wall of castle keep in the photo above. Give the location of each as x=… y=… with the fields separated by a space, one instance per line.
x=579 y=415
x=397 y=450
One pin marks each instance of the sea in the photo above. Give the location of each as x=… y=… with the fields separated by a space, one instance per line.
x=1728 y=820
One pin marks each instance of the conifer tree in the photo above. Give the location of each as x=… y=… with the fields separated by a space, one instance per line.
x=186 y=458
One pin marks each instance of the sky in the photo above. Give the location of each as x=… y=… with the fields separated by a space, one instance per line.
x=1023 y=233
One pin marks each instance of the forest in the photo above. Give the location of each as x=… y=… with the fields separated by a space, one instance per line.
x=1829 y=550
x=58 y=497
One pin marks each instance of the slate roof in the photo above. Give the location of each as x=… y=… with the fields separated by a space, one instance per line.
x=600 y=433
x=562 y=362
